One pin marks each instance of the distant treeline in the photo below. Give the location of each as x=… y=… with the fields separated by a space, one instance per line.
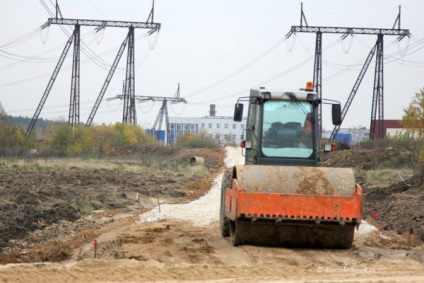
x=58 y=138
x=23 y=122
x=61 y=139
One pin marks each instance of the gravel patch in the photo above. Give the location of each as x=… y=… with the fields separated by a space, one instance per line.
x=202 y=211
x=365 y=228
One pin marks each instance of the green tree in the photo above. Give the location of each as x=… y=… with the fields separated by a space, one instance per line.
x=413 y=118
x=59 y=137
x=103 y=135
x=126 y=134
x=413 y=121
x=196 y=141
x=2 y=112
x=82 y=141
x=11 y=136
x=64 y=139
x=2 y=123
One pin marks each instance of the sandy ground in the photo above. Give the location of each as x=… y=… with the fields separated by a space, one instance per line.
x=172 y=251
x=173 y=246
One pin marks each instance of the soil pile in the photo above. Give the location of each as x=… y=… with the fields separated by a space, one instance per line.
x=366 y=158
x=397 y=207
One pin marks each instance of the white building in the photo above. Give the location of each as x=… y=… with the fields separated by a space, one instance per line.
x=221 y=128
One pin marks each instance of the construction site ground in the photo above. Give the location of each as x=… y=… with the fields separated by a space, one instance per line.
x=125 y=236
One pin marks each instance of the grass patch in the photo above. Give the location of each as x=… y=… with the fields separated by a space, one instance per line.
x=185 y=170
x=195 y=171
x=4 y=202
x=54 y=164
x=119 y=165
x=387 y=176
x=86 y=205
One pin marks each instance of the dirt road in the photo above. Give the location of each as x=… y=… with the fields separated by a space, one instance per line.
x=167 y=246
x=170 y=251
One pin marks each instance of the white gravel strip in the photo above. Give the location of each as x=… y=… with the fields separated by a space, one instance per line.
x=202 y=211
x=365 y=228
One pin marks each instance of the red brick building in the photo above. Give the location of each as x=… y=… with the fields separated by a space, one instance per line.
x=390 y=128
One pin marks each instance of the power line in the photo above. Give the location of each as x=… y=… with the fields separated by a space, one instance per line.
x=390 y=58
x=239 y=70
x=290 y=70
x=279 y=75
x=26 y=59
x=19 y=40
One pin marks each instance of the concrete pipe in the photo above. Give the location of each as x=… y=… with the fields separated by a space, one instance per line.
x=196 y=160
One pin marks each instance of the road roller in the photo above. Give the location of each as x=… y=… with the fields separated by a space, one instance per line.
x=281 y=196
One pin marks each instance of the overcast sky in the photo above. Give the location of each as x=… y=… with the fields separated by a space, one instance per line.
x=217 y=50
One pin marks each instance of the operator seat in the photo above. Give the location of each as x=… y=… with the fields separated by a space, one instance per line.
x=287 y=135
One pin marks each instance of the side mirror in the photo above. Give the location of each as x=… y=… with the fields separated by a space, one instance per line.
x=336 y=114
x=238 y=112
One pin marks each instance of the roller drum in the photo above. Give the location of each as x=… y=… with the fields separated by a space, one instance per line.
x=296 y=180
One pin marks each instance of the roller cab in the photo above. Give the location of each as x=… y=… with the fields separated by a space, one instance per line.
x=281 y=196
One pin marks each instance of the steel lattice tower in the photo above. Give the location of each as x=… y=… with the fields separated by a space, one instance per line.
x=378 y=93
x=163 y=112
x=74 y=104
x=129 y=115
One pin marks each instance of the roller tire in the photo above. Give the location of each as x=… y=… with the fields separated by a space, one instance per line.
x=235 y=235
x=224 y=222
